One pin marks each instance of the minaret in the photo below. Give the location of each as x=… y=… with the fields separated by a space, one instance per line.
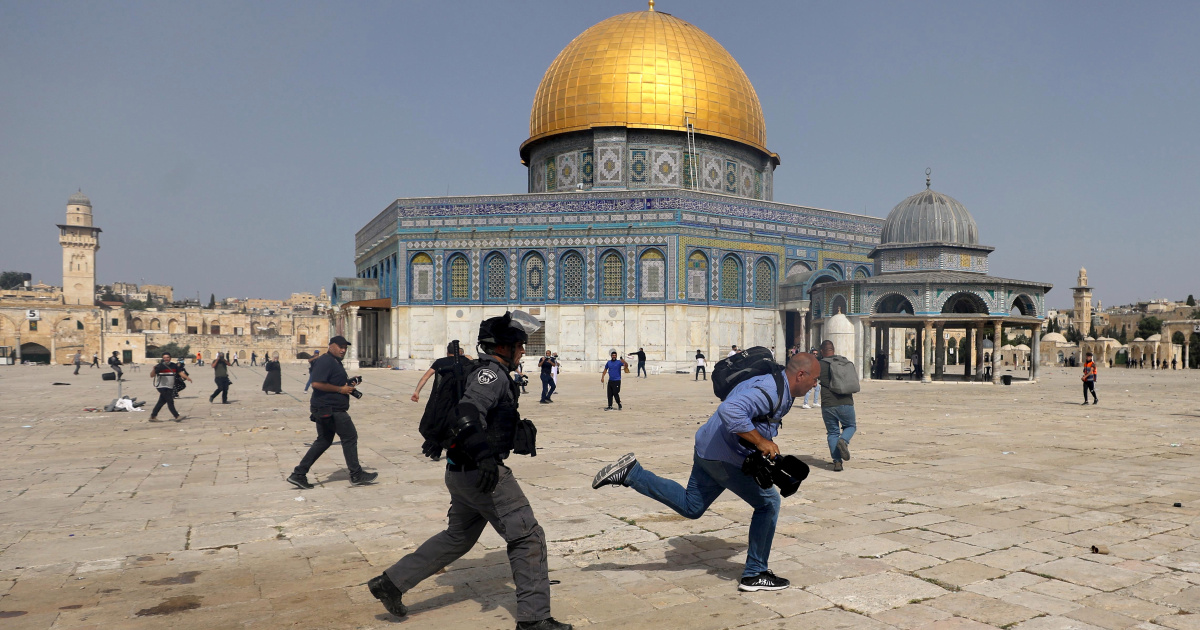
x=1082 y=317
x=80 y=241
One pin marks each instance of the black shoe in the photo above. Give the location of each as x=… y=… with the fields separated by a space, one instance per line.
x=843 y=449
x=615 y=474
x=385 y=591
x=1096 y=402
x=549 y=623
x=210 y=398
x=765 y=581
x=300 y=481
x=608 y=408
x=619 y=407
x=1085 y=402
x=363 y=479
x=178 y=418
x=544 y=402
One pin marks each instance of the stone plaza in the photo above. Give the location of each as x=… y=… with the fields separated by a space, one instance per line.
x=966 y=505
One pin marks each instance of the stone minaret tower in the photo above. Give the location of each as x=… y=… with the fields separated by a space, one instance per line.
x=80 y=241
x=1082 y=317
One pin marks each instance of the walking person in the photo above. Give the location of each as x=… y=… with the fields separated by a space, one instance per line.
x=273 y=383
x=254 y=358
x=115 y=364
x=641 y=364
x=220 y=368
x=1089 y=379
x=329 y=408
x=612 y=369
x=181 y=375
x=78 y=361
x=311 y=359
x=749 y=419
x=163 y=376
x=837 y=410
x=701 y=368
x=435 y=370
x=482 y=489
x=95 y=359
x=546 y=365
x=235 y=357
x=555 y=370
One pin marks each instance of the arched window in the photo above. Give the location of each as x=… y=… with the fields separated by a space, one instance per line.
x=837 y=270
x=496 y=283
x=764 y=282
x=613 y=285
x=653 y=280
x=422 y=277
x=534 y=284
x=798 y=267
x=731 y=279
x=572 y=277
x=460 y=278
x=697 y=276
x=861 y=273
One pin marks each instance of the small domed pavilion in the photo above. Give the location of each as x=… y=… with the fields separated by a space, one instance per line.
x=931 y=275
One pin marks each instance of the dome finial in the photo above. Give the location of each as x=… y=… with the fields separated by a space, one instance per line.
x=651 y=5
x=928 y=172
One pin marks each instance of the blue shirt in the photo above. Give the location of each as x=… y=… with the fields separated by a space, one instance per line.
x=614 y=369
x=718 y=440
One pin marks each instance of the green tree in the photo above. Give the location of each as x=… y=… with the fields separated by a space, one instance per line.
x=137 y=305
x=175 y=350
x=212 y=300
x=1191 y=301
x=14 y=279
x=1149 y=326
x=1072 y=335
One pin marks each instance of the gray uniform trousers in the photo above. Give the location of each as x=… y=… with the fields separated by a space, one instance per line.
x=509 y=513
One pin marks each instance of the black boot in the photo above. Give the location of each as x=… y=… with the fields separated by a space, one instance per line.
x=385 y=591
x=549 y=623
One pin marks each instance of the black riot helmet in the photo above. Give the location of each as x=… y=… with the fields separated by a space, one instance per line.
x=507 y=330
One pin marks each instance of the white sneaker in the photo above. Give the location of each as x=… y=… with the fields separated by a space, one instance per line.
x=806 y=406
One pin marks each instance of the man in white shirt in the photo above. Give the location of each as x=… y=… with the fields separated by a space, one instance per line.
x=732 y=352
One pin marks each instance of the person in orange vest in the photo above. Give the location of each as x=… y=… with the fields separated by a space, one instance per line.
x=1089 y=379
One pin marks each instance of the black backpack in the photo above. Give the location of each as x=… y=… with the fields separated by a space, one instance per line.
x=751 y=362
x=451 y=383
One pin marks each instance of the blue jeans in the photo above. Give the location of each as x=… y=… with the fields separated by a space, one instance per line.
x=709 y=479
x=548 y=386
x=815 y=392
x=642 y=371
x=309 y=383
x=839 y=423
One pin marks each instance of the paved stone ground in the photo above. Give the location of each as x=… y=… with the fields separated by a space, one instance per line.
x=965 y=506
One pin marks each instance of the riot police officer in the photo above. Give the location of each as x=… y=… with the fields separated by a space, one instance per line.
x=482 y=489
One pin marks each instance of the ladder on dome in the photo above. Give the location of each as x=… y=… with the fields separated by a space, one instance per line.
x=691 y=147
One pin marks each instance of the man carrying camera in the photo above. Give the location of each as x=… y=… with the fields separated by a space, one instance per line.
x=482 y=429
x=329 y=407
x=751 y=413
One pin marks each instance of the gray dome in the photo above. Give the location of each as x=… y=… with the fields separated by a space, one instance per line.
x=79 y=199
x=930 y=217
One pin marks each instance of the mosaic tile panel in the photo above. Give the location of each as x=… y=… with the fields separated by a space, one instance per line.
x=731 y=177
x=550 y=269
x=590 y=273
x=711 y=173
x=587 y=167
x=422 y=287
x=572 y=277
x=639 y=167
x=551 y=175
x=568 y=171
x=539 y=179
x=512 y=274
x=609 y=166
x=665 y=167
x=746 y=182
x=758 y=185
x=689 y=164
x=653 y=276
x=535 y=278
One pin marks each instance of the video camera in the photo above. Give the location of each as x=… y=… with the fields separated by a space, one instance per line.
x=785 y=471
x=355 y=382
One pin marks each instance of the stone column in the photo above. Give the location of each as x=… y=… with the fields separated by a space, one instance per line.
x=1186 y=343
x=927 y=360
x=1035 y=352
x=979 y=352
x=17 y=359
x=965 y=354
x=352 y=336
x=996 y=341
x=939 y=355
x=867 y=349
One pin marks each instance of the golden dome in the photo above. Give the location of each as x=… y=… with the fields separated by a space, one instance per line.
x=647 y=70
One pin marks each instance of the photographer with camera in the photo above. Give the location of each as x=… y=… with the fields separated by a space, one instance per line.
x=740 y=432
x=480 y=431
x=329 y=409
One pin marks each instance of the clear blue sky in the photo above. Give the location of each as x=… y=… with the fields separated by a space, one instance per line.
x=235 y=147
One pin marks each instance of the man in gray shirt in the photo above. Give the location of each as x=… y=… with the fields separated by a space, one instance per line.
x=837 y=411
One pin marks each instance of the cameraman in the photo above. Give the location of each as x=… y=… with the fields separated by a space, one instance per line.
x=329 y=406
x=717 y=463
x=482 y=489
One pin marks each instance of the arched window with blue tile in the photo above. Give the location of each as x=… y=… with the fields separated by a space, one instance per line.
x=570 y=278
x=697 y=277
x=495 y=279
x=458 y=278
x=764 y=282
x=612 y=276
x=652 y=275
x=420 y=280
x=731 y=279
x=533 y=278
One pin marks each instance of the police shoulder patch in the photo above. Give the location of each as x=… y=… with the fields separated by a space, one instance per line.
x=486 y=377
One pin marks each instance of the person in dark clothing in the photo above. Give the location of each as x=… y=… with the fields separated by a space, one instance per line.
x=612 y=370
x=181 y=375
x=221 y=375
x=837 y=410
x=329 y=409
x=163 y=376
x=115 y=364
x=482 y=489
x=435 y=371
x=273 y=383
x=78 y=361
x=254 y=358
x=311 y=360
x=701 y=367
x=641 y=365
x=95 y=359
x=1089 y=379
x=546 y=365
